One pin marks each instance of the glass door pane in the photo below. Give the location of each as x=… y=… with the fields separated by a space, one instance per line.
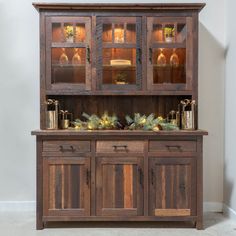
x=120 y=52
x=119 y=66
x=169 y=51
x=68 y=53
x=68 y=65
x=169 y=65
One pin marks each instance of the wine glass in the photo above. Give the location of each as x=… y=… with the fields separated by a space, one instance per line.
x=63 y=58
x=76 y=58
x=174 y=59
x=161 y=59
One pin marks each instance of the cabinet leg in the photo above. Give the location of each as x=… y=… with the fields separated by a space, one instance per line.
x=39 y=224
x=199 y=225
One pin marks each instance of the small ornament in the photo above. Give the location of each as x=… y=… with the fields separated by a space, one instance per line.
x=69 y=34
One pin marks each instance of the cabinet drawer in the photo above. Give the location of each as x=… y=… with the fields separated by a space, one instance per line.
x=120 y=146
x=172 y=146
x=66 y=147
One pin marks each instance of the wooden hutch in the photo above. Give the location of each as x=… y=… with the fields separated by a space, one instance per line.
x=118 y=175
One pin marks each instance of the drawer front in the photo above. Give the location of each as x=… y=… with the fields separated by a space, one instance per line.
x=172 y=146
x=66 y=147
x=120 y=146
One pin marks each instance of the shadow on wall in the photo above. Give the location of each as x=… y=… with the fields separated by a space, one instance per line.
x=211 y=112
x=228 y=188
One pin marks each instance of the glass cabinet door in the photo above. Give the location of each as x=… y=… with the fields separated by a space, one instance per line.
x=170 y=52
x=68 y=53
x=119 y=56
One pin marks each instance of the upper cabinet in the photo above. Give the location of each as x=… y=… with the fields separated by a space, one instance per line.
x=119 y=52
x=170 y=53
x=68 y=53
x=128 y=52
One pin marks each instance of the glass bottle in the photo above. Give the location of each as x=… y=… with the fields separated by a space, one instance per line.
x=76 y=58
x=174 y=59
x=63 y=58
x=161 y=59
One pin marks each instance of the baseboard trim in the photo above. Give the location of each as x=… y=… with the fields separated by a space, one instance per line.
x=213 y=207
x=17 y=206
x=31 y=205
x=229 y=212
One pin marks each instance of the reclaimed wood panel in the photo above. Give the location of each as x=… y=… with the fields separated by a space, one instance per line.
x=172 y=184
x=119 y=105
x=172 y=212
x=65 y=146
x=118 y=146
x=119 y=191
x=172 y=146
x=67 y=187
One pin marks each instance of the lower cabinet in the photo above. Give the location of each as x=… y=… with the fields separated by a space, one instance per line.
x=66 y=185
x=119 y=186
x=83 y=181
x=172 y=186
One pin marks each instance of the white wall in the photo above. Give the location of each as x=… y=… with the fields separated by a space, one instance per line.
x=230 y=109
x=19 y=96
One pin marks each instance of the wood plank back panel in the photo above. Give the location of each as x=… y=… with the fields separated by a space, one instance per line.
x=119 y=105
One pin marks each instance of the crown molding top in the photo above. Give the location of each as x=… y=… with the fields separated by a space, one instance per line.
x=118 y=6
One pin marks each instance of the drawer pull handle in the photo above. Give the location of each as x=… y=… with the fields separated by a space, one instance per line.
x=140 y=176
x=152 y=176
x=87 y=177
x=88 y=55
x=120 y=148
x=182 y=187
x=67 y=148
x=173 y=147
x=150 y=55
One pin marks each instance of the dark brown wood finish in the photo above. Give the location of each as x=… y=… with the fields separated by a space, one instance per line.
x=118 y=175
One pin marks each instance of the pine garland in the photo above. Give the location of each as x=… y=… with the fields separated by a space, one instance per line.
x=138 y=122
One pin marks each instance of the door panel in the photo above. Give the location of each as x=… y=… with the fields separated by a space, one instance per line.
x=119 y=53
x=68 y=47
x=67 y=187
x=170 y=53
x=172 y=186
x=119 y=185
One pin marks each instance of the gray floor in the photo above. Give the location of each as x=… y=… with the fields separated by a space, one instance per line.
x=23 y=224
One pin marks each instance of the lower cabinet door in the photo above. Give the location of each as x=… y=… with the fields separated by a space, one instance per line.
x=119 y=186
x=66 y=187
x=172 y=187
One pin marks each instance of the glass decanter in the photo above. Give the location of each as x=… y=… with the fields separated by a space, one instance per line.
x=161 y=59
x=174 y=59
x=76 y=59
x=63 y=58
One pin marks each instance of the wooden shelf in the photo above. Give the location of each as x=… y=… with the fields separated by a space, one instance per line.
x=118 y=92
x=118 y=132
x=68 y=45
x=119 y=45
x=168 y=45
x=69 y=65
x=167 y=66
